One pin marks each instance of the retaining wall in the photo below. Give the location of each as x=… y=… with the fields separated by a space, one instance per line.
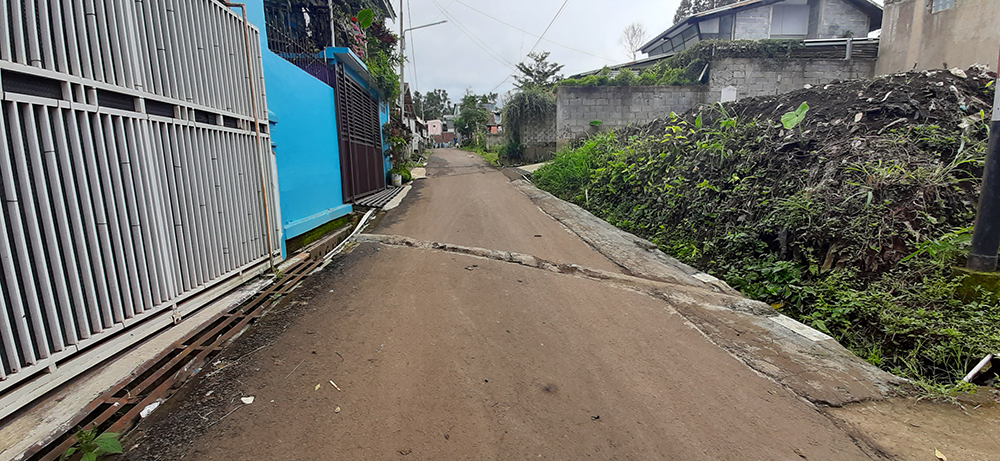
x=619 y=106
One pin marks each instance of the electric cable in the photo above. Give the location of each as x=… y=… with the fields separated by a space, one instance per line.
x=475 y=40
x=529 y=33
x=535 y=45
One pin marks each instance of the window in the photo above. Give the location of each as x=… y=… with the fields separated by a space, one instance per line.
x=720 y=28
x=940 y=5
x=789 y=21
x=710 y=26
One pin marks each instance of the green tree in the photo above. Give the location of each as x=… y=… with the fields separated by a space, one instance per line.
x=418 y=103
x=690 y=7
x=472 y=116
x=538 y=74
x=435 y=104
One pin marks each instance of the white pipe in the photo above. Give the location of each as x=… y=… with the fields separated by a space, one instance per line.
x=975 y=371
x=361 y=225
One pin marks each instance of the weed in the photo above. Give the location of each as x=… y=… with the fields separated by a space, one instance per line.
x=792 y=119
x=93 y=446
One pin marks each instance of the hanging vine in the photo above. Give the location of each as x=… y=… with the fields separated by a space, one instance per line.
x=530 y=106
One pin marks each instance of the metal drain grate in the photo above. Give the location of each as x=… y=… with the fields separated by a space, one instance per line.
x=118 y=408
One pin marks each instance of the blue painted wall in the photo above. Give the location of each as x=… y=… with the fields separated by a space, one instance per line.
x=305 y=135
x=383 y=117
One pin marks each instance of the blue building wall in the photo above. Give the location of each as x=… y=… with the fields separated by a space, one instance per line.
x=383 y=118
x=305 y=138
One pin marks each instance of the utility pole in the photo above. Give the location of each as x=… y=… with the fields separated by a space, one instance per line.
x=402 y=51
x=402 y=60
x=986 y=234
x=333 y=27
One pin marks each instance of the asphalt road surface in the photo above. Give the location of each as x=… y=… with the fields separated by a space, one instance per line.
x=441 y=355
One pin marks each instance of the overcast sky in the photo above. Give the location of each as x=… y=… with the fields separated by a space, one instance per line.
x=446 y=57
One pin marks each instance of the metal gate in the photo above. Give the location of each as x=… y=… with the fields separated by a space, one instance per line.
x=133 y=185
x=361 y=164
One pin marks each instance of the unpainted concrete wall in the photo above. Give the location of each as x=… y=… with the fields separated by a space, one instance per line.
x=539 y=140
x=753 y=24
x=827 y=19
x=838 y=19
x=760 y=77
x=965 y=34
x=618 y=106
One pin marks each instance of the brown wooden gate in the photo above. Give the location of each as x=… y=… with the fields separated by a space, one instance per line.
x=361 y=165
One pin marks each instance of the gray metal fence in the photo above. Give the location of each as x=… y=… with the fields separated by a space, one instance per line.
x=130 y=174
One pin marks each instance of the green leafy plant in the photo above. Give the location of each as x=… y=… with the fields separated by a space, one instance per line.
x=92 y=446
x=365 y=18
x=403 y=171
x=792 y=119
x=596 y=123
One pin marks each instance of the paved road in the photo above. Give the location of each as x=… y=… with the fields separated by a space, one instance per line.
x=441 y=355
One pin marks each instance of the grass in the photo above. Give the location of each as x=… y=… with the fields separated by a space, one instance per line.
x=490 y=155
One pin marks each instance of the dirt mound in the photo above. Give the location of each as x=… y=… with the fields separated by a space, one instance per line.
x=945 y=98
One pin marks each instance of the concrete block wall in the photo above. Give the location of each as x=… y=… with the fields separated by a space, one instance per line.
x=539 y=140
x=760 y=77
x=839 y=17
x=827 y=19
x=619 y=106
x=753 y=24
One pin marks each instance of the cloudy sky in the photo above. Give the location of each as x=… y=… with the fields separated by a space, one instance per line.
x=474 y=51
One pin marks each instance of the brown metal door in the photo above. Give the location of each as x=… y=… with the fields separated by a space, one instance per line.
x=361 y=164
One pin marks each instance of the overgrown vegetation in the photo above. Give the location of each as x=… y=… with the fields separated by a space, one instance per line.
x=382 y=59
x=530 y=106
x=688 y=66
x=849 y=220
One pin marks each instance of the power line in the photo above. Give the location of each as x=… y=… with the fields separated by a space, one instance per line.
x=413 y=52
x=536 y=43
x=475 y=40
x=529 y=33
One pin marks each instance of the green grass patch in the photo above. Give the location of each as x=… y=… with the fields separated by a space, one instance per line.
x=490 y=155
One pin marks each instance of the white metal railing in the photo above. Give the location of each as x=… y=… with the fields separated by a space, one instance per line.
x=130 y=176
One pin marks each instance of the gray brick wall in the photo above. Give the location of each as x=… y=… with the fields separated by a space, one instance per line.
x=753 y=24
x=759 y=77
x=539 y=140
x=617 y=106
x=838 y=17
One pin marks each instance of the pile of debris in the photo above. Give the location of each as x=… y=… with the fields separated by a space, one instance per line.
x=946 y=98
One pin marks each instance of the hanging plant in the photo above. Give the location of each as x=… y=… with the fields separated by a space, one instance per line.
x=364 y=18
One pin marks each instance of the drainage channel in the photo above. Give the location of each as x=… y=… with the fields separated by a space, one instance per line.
x=118 y=409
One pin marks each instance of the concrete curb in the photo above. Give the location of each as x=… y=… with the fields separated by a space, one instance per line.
x=807 y=361
x=637 y=256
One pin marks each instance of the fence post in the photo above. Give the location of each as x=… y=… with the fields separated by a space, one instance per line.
x=986 y=234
